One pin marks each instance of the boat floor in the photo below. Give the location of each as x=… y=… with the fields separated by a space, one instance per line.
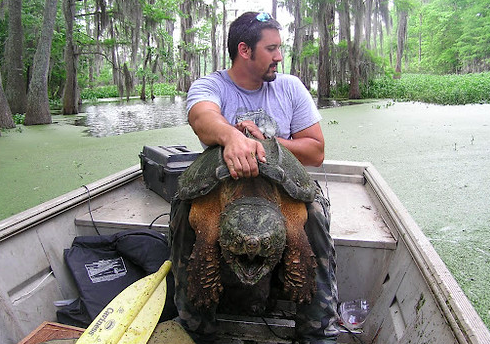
x=355 y=221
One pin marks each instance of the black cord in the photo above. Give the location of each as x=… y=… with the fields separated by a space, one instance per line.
x=156 y=218
x=90 y=209
x=274 y=332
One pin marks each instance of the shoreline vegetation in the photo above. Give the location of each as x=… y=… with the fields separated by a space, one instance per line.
x=453 y=89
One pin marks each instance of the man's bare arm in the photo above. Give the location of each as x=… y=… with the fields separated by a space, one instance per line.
x=308 y=145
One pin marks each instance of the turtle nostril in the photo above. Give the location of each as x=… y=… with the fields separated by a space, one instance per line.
x=251 y=246
x=252 y=243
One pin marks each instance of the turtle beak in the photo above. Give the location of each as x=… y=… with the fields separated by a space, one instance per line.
x=252 y=247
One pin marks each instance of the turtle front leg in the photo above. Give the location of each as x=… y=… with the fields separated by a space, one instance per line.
x=299 y=259
x=204 y=278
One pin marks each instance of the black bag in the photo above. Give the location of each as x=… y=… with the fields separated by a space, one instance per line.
x=103 y=266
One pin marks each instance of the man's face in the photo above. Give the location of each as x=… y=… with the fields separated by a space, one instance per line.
x=267 y=55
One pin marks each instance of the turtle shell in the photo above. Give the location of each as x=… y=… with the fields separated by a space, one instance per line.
x=282 y=167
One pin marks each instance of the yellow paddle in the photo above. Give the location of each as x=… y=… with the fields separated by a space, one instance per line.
x=132 y=315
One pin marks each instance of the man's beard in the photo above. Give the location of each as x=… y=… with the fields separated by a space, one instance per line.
x=269 y=75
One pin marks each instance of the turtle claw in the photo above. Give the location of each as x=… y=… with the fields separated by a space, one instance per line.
x=300 y=284
x=204 y=279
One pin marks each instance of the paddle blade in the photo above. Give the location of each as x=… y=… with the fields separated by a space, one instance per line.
x=133 y=314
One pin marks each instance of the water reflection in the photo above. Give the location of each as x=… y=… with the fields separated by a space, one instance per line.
x=115 y=118
x=121 y=116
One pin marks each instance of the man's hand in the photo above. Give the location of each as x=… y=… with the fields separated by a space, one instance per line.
x=251 y=128
x=241 y=154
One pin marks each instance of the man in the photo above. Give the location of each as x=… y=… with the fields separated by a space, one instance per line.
x=251 y=97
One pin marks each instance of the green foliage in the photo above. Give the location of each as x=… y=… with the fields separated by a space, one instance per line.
x=310 y=49
x=340 y=91
x=19 y=118
x=99 y=92
x=164 y=89
x=404 y=5
x=3 y=36
x=439 y=89
x=454 y=37
x=162 y=10
x=474 y=43
x=110 y=91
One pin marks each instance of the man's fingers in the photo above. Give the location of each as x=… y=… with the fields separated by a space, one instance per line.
x=260 y=153
x=249 y=166
x=232 y=169
x=251 y=127
x=244 y=167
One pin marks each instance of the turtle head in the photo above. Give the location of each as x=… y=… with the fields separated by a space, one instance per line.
x=252 y=237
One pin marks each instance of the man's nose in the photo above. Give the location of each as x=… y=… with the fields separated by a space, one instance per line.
x=278 y=56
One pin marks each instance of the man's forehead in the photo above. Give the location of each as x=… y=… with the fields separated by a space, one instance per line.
x=270 y=37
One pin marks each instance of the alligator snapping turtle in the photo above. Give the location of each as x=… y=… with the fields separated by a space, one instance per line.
x=252 y=222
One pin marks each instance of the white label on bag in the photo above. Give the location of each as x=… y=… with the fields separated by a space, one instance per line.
x=106 y=270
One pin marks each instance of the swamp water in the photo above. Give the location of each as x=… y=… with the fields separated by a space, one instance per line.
x=120 y=117
x=437 y=161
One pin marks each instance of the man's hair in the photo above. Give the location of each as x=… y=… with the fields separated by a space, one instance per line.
x=248 y=29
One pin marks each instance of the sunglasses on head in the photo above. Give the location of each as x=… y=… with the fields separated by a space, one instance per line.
x=263 y=17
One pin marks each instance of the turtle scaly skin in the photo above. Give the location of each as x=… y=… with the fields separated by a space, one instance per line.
x=252 y=223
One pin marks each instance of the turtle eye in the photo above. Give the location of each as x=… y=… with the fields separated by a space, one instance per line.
x=238 y=242
x=266 y=243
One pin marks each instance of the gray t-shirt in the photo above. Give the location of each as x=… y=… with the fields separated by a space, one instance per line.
x=279 y=108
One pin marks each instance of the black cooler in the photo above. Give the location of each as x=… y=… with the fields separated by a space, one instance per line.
x=162 y=165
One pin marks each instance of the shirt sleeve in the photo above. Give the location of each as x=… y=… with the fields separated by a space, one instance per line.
x=305 y=112
x=203 y=89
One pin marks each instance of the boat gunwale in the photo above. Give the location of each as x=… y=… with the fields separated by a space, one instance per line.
x=463 y=319
x=29 y=218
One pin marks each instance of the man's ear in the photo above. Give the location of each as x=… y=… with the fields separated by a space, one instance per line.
x=244 y=50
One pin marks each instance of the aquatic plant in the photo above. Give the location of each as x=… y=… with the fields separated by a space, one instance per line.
x=454 y=89
x=110 y=91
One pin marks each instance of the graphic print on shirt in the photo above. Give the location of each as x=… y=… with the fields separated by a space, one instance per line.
x=266 y=124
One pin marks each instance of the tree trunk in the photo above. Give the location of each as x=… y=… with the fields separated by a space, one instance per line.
x=354 y=51
x=381 y=38
x=402 y=34
x=367 y=26
x=128 y=81
x=116 y=70
x=224 y=34
x=15 y=86
x=297 y=41
x=70 y=92
x=187 y=43
x=342 y=52
x=6 y=120
x=274 y=14
x=37 y=111
x=305 y=72
x=91 y=59
x=214 y=43
x=145 y=64
x=169 y=56
x=375 y=30
x=153 y=70
x=325 y=22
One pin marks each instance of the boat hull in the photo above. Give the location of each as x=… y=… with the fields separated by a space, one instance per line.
x=382 y=255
